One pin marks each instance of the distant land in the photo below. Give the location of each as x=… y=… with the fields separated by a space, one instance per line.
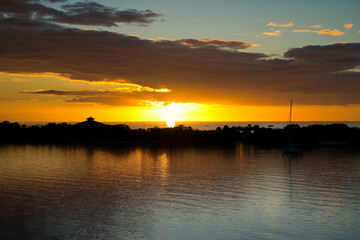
x=202 y=125
x=91 y=131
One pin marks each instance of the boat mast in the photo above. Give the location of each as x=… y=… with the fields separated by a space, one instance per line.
x=290 y=122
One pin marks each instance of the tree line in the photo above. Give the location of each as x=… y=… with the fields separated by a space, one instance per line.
x=331 y=134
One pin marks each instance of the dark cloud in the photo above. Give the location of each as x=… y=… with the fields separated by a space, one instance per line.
x=92 y=13
x=344 y=56
x=54 y=1
x=82 y=13
x=110 y=101
x=13 y=24
x=68 y=93
x=311 y=75
x=216 y=43
x=111 y=98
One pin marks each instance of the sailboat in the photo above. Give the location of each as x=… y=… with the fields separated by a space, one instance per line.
x=292 y=148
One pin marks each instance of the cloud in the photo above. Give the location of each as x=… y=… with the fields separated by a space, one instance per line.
x=348 y=25
x=334 y=32
x=315 y=26
x=66 y=93
x=81 y=13
x=54 y=1
x=92 y=13
x=111 y=98
x=303 y=30
x=216 y=43
x=343 y=53
x=27 y=24
x=311 y=75
x=276 y=33
x=273 y=24
x=340 y=42
x=110 y=101
x=125 y=88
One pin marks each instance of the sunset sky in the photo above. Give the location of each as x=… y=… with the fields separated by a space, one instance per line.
x=161 y=60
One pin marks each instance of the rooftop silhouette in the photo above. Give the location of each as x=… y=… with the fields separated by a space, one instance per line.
x=90 y=122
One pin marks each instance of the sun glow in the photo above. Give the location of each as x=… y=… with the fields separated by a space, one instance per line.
x=173 y=112
x=170 y=123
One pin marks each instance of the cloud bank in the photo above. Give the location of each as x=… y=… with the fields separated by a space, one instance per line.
x=111 y=98
x=81 y=13
x=334 y=32
x=216 y=43
x=195 y=70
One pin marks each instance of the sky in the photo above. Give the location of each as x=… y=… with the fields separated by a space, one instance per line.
x=158 y=60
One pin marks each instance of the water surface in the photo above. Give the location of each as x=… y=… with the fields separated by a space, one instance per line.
x=169 y=192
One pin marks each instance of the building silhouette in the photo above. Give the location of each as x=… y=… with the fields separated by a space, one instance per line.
x=90 y=122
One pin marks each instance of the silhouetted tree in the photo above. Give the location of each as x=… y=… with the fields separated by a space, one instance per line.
x=64 y=132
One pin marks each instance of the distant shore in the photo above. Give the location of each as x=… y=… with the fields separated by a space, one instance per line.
x=91 y=131
x=209 y=125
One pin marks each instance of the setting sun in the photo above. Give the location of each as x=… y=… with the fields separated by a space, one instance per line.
x=173 y=112
x=170 y=123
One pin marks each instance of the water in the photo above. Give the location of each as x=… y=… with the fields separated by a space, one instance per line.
x=169 y=192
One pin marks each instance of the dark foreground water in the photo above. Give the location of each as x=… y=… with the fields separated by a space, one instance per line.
x=159 y=192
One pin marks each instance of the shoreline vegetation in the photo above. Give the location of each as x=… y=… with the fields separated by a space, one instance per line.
x=91 y=131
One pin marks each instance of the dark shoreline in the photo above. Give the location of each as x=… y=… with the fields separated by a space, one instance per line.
x=92 y=132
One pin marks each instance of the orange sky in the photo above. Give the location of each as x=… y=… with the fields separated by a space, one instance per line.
x=25 y=107
x=58 y=64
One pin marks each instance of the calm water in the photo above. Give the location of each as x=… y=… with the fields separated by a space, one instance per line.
x=159 y=192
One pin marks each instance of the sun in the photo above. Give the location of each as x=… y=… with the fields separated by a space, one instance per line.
x=170 y=123
x=173 y=112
